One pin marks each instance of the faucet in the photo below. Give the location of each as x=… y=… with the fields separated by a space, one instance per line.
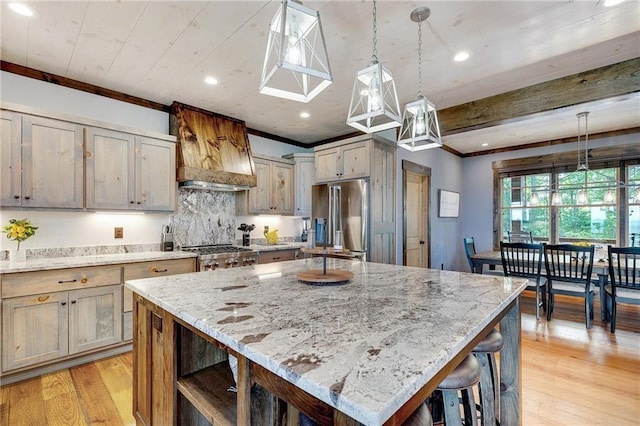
x=266 y=230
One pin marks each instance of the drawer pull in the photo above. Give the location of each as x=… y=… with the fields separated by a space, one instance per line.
x=63 y=303
x=276 y=258
x=156 y=270
x=67 y=281
x=43 y=298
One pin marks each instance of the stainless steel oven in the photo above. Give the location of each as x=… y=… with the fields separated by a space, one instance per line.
x=214 y=256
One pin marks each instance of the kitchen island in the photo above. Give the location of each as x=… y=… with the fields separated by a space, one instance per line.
x=368 y=351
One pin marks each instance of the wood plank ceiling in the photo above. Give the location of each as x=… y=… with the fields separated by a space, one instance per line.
x=162 y=50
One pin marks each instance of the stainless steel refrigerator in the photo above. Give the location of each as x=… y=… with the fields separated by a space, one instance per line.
x=345 y=206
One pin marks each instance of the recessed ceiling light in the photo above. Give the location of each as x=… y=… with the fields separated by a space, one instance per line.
x=304 y=115
x=211 y=80
x=21 y=8
x=461 y=56
x=609 y=3
x=485 y=144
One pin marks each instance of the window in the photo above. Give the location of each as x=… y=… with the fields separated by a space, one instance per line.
x=581 y=206
x=525 y=205
x=633 y=192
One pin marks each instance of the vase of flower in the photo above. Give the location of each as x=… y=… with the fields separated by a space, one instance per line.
x=19 y=230
x=17 y=256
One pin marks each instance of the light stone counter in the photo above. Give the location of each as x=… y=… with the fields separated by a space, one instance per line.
x=7 y=267
x=280 y=246
x=365 y=347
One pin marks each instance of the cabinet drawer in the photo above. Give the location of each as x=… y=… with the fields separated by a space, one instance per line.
x=26 y=283
x=276 y=256
x=134 y=271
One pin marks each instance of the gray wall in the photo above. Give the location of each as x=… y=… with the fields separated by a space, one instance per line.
x=446 y=173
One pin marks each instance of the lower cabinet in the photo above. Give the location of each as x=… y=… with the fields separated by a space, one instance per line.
x=48 y=326
x=277 y=255
x=134 y=271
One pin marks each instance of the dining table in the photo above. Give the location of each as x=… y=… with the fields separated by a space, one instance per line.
x=600 y=271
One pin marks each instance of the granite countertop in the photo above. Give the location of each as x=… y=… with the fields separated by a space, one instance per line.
x=364 y=347
x=7 y=267
x=279 y=246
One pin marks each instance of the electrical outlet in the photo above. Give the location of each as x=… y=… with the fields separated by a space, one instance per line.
x=118 y=232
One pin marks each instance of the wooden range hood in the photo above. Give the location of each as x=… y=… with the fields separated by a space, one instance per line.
x=213 y=151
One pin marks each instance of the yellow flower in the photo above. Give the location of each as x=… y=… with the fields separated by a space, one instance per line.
x=19 y=230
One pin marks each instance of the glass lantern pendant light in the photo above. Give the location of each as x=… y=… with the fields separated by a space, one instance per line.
x=420 y=129
x=374 y=103
x=296 y=64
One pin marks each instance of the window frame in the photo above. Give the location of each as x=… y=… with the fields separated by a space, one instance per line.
x=620 y=158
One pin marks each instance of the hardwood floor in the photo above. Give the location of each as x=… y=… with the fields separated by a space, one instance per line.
x=570 y=376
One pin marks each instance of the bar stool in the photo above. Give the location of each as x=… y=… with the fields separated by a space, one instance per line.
x=462 y=379
x=420 y=417
x=489 y=387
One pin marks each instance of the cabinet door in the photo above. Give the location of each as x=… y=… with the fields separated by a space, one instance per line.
x=110 y=169
x=10 y=158
x=95 y=318
x=260 y=195
x=155 y=174
x=282 y=188
x=304 y=179
x=356 y=160
x=52 y=163
x=328 y=165
x=34 y=329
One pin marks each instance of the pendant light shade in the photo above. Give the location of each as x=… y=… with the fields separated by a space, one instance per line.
x=420 y=129
x=374 y=102
x=296 y=64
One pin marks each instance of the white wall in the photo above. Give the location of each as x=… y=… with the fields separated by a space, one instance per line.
x=476 y=202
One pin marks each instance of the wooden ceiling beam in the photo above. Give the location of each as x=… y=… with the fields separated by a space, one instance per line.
x=606 y=82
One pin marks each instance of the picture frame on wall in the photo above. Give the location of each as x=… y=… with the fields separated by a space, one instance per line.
x=448 y=203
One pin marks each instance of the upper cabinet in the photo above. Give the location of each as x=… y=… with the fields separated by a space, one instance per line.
x=304 y=171
x=274 y=191
x=59 y=163
x=41 y=162
x=337 y=162
x=129 y=172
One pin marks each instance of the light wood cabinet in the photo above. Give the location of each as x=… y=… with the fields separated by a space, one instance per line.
x=10 y=158
x=129 y=172
x=271 y=256
x=42 y=162
x=39 y=325
x=34 y=329
x=349 y=161
x=95 y=317
x=370 y=157
x=304 y=178
x=274 y=191
x=54 y=162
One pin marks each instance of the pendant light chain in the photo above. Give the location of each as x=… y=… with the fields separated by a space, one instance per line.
x=419 y=58
x=375 y=33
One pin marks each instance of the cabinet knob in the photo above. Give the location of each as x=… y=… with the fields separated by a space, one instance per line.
x=131 y=202
x=138 y=202
x=26 y=197
x=73 y=302
x=63 y=303
x=16 y=197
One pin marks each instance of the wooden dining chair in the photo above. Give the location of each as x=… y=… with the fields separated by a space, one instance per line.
x=624 y=279
x=568 y=269
x=525 y=260
x=470 y=250
x=520 y=236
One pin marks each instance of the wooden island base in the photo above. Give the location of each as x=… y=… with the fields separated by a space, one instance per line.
x=182 y=377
